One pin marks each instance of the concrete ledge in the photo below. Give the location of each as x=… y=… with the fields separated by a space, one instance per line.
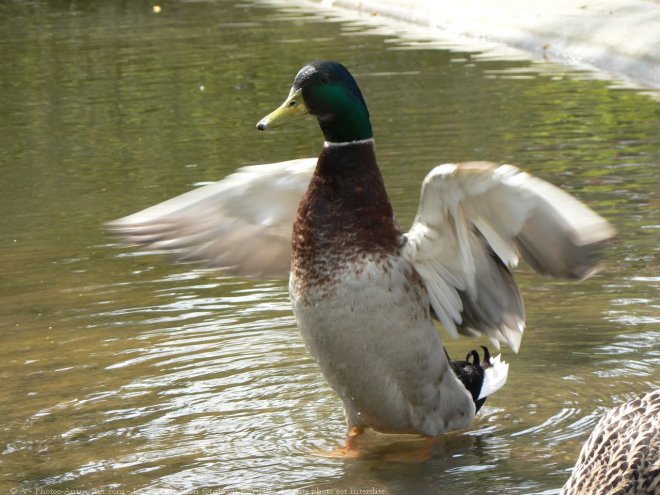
x=618 y=37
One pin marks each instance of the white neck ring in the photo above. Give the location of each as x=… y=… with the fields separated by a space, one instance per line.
x=330 y=144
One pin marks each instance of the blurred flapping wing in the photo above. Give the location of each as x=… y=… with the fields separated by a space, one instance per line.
x=474 y=221
x=241 y=224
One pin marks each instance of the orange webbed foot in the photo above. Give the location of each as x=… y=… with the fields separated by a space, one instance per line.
x=421 y=454
x=350 y=450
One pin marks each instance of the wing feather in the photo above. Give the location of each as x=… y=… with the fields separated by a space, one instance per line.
x=241 y=224
x=475 y=220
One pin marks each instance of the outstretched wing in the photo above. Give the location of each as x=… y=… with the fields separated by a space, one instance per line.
x=241 y=224
x=474 y=221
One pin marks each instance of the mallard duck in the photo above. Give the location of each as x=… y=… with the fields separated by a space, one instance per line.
x=365 y=294
x=622 y=454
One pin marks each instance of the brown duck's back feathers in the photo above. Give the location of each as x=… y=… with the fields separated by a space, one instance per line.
x=622 y=455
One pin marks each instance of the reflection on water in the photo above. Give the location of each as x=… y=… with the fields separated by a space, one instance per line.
x=121 y=371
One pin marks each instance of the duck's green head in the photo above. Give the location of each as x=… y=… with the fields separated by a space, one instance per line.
x=328 y=91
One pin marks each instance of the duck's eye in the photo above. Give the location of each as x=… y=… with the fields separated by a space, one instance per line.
x=325 y=78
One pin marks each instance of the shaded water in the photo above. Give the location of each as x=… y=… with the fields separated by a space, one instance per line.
x=120 y=371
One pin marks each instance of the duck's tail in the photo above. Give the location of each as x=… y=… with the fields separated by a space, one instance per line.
x=483 y=378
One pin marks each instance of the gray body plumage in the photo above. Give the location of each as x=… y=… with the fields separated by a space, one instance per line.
x=371 y=332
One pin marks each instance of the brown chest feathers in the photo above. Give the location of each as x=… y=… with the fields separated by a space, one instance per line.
x=345 y=216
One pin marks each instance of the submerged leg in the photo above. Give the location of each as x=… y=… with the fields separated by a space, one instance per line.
x=351 y=439
x=350 y=449
x=421 y=454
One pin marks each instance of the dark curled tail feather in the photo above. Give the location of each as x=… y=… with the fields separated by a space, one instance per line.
x=471 y=374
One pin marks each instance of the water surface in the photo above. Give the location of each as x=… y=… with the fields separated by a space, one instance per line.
x=121 y=371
